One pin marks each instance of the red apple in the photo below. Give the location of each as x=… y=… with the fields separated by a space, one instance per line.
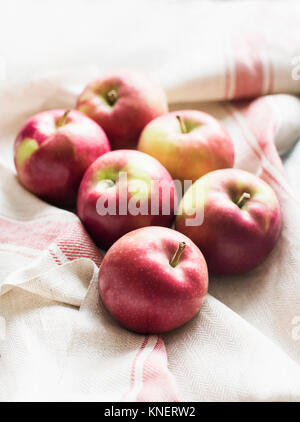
x=124 y=190
x=189 y=143
x=122 y=102
x=52 y=151
x=153 y=279
x=241 y=223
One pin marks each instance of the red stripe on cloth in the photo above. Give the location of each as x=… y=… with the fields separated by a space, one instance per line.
x=158 y=382
x=228 y=75
x=270 y=87
x=150 y=379
x=249 y=71
x=258 y=120
x=256 y=152
x=55 y=258
x=76 y=243
x=69 y=236
x=33 y=234
x=133 y=367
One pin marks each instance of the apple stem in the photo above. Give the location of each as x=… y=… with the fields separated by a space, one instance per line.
x=176 y=257
x=112 y=96
x=243 y=199
x=62 y=120
x=181 y=124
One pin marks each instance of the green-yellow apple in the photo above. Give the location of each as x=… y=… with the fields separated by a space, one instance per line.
x=52 y=151
x=124 y=190
x=122 y=102
x=153 y=280
x=189 y=143
x=241 y=222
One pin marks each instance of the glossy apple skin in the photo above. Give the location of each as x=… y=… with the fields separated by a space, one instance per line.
x=139 y=101
x=233 y=240
x=142 y=290
x=106 y=229
x=187 y=156
x=50 y=160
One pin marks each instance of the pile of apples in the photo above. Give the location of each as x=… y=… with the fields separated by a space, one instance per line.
x=153 y=278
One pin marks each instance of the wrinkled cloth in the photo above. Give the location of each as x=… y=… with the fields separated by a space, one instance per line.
x=238 y=62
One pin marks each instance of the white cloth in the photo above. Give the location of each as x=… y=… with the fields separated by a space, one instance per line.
x=57 y=342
